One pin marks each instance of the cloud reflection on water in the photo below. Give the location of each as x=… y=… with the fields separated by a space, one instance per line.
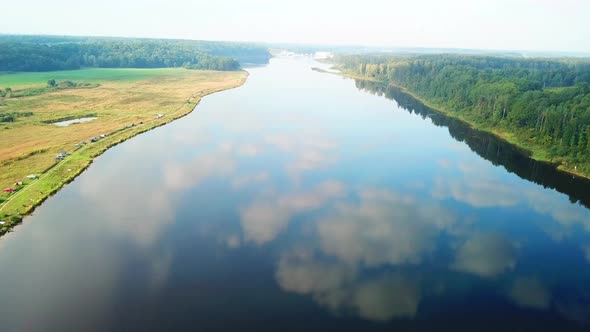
x=530 y=292
x=586 y=251
x=364 y=237
x=485 y=255
x=383 y=228
x=308 y=151
x=353 y=214
x=263 y=219
x=485 y=190
x=340 y=287
x=183 y=175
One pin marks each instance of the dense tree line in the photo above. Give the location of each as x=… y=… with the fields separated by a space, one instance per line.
x=545 y=102
x=45 y=53
x=11 y=116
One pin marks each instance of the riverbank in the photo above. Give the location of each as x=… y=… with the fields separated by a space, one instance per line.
x=124 y=109
x=537 y=152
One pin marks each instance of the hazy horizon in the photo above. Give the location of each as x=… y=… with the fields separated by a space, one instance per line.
x=520 y=25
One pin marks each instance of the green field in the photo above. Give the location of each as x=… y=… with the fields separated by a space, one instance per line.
x=96 y=75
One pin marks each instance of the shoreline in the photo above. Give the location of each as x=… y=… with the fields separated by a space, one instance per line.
x=507 y=138
x=17 y=207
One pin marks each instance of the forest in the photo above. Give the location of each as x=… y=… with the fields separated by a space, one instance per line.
x=48 y=53
x=543 y=104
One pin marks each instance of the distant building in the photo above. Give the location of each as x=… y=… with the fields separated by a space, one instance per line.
x=323 y=55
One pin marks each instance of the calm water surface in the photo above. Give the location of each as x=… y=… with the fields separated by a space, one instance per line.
x=304 y=201
x=74 y=121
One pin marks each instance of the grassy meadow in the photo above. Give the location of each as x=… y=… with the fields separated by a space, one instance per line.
x=116 y=97
x=23 y=79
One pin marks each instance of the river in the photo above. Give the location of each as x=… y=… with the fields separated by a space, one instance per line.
x=305 y=201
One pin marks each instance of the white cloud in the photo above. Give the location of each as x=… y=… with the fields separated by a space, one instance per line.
x=530 y=292
x=233 y=241
x=240 y=182
x=339 y=286
x=384 y=228
x=485 y=255
x=263 y=221
x=477 y=191
x=485 y=190
x=300 y=272
x=559 y=208
x=249 y=150
x=390 y=296
x=184 y=175
x=307 y=150
x=267 y=216
x=586 y=250
x=139 y=214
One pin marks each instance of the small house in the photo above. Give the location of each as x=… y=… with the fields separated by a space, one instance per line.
x=8 y=190
x=32 y=176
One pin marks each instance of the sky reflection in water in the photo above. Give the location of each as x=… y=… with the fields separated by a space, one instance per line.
x=299 y=195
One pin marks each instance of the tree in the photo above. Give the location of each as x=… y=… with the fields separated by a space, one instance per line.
x=20 y=53
x=542 y=102
x=51 y=83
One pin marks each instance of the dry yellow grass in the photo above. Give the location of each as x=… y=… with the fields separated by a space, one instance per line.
x=29 y=145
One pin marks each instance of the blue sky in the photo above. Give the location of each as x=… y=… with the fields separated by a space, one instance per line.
x=551 y=25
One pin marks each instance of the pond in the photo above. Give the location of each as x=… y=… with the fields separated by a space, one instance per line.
x=66 y=123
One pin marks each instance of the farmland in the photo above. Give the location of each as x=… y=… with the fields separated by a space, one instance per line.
x=117 y=98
